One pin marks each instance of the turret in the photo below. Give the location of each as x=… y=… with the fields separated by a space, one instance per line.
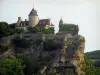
x=61 y=22
x=19 y=22
x=33 y=18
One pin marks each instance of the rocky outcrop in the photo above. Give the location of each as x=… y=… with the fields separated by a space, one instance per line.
x=67 y=60
x=64 y=57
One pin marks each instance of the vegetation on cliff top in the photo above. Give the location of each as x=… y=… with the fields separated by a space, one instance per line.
x=36 y=29
x=7 y=30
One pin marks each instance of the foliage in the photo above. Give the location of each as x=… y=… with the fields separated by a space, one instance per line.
x=47 y=31
x=19 y=30
x=10 y=66
x=89 y=67
x=35 y=30
x=30 y=66
x=6 y=29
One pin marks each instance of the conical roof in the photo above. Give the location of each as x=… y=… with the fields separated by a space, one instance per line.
x=33 y=12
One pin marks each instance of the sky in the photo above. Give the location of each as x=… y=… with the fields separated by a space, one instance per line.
x=85 y=13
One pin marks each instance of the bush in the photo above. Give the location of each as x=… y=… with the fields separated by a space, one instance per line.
x=30 y=65
x=35 y=30
x=10 y=66
x=6 y=30
x=19 y=30
x=48 y=31
x=89 y=68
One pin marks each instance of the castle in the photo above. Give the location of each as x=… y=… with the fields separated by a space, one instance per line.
x=34 y=21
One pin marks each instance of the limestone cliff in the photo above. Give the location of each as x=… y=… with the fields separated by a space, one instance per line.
x=58 y=54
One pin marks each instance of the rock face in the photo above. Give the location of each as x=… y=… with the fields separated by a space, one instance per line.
x=67 y=60
x=61 y=56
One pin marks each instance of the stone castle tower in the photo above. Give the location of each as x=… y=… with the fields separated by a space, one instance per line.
x=33 y=18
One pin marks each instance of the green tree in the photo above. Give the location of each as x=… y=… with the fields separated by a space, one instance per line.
x=3 y=29
x=89 y=68
x=33 y=29
x=6 y=30
x=31 y=66
x=48 y=31
x=19 y=30
x=10 y=66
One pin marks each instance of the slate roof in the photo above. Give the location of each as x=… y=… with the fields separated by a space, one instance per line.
x=33 y=12
x=43 y=22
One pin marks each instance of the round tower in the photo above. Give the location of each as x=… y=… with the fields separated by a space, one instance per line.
x=33 y=18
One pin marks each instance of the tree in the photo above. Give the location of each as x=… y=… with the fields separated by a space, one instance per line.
x=9 y=66
x=31 y=66
x=6 y=30
x=89 y=67
x=19 y=30
x=33 y=29
x=3 y=29
x=48 y=31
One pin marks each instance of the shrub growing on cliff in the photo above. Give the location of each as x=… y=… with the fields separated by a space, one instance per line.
x=33 y=29
x=10 y=66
